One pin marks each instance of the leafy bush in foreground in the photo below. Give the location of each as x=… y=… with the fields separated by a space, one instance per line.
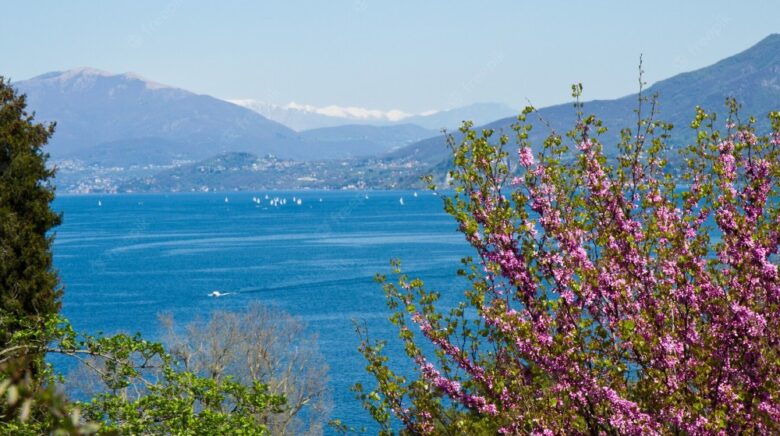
x=607 y=297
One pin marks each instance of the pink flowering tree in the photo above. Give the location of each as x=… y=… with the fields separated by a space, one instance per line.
x=606 y=295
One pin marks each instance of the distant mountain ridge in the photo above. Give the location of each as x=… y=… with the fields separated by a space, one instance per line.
x=93 y=108
x=479 y=113
x=307 y=117
x=752 y=77
x=369 y=140
x=123 y=120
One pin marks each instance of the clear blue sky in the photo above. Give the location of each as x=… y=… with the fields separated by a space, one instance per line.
x=408 y=55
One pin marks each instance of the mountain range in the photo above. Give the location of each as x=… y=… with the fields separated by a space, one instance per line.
x=307 y=117
x=122 y=132
x=752 y=77
x=123 y=120
x=96 y=109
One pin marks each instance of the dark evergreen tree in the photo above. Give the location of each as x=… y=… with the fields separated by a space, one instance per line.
x=29 y=287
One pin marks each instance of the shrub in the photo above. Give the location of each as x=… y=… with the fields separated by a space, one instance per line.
x=606 y=296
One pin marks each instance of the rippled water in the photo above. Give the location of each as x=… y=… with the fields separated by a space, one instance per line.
x=135 y=256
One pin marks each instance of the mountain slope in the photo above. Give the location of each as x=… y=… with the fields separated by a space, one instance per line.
x=306 y=117
x=93 y=107
x=451 y=119
x=752 y=77
x=366 y=140
x=123 y=120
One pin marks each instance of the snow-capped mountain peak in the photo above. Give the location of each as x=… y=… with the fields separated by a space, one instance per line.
x=305 y=116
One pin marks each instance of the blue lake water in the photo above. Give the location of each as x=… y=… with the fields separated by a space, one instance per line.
x=135 y=256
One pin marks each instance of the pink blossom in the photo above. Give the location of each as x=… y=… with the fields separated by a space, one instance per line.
x=526 y=157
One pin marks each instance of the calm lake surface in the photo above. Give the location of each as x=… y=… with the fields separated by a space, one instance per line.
x=124 y=259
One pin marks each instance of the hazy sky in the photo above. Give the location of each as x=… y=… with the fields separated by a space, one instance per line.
x=408 y=55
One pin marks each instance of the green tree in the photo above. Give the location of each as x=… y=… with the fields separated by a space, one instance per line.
x=29 y=288
x=144 y=391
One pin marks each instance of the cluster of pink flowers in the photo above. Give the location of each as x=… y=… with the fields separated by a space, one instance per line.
x=526 y=156
x=614 y=303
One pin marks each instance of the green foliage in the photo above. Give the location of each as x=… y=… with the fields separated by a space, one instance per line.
x=183 y=403
x=146 y=392
x=29 y=290
x=28 y=286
